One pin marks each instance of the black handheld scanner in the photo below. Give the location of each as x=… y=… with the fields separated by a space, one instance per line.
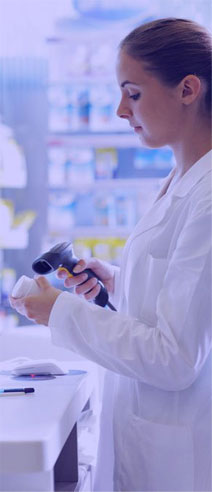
x=62 y=256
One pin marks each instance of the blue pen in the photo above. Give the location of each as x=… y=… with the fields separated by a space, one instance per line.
x=16 y=391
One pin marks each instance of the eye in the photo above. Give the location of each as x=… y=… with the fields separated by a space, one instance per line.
x=135 y=97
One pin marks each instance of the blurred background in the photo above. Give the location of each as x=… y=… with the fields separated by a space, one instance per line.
x=70 y=170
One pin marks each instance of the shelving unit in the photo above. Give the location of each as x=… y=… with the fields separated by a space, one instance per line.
x=123 y=196
x=23 y=106
x=108 y=184
x=13 y=234
x=94 y=139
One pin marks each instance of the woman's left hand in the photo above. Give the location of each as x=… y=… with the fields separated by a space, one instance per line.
x=37 y=308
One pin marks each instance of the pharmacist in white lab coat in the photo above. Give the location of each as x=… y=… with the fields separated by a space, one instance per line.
x=157 y=347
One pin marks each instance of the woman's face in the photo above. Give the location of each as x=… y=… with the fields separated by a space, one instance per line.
x=152 y=108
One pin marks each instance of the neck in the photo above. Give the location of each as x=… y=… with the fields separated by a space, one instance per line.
x=195 y=143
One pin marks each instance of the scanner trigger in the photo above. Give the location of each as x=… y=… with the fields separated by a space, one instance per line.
x=63 y=269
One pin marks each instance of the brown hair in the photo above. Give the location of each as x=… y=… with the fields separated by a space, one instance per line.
x=173 y=48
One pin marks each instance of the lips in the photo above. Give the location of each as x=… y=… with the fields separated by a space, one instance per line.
x=136 y=128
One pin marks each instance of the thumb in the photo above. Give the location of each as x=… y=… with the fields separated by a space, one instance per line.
x=42 y=283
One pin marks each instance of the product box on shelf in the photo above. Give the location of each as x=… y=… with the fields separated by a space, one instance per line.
x=14 y=228
x=84 y=107
x=106 y=163
x=13 y=173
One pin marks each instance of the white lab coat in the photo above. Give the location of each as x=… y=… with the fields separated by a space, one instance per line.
x=158 y=345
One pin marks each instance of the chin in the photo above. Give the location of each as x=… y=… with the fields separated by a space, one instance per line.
x=151 y=143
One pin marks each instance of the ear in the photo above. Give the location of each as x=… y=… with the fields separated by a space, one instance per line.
x=190 y=89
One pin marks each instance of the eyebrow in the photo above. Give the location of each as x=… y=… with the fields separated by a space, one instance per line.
x=127 y=82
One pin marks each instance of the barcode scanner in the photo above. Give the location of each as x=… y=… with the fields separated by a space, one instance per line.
x=61 y=257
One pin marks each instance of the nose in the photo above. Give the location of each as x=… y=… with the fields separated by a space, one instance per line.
x=123 y=111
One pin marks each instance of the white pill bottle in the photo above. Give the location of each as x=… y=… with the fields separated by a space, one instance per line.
x=24 y=287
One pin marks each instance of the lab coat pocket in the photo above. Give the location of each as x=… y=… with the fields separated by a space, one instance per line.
x=156 y=269
x=159 y=457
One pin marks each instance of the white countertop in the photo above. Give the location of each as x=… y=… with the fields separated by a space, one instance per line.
x=34 y=427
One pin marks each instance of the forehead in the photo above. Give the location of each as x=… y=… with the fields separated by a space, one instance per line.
x=131 y=70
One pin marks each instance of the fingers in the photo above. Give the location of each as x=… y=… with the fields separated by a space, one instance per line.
x=15 y=303
x=37 y=308
x=84 y=288
x=89 y=289
x=79 y=267
x=73 y=281
x=21 y=305
x=42 y=282
x=93 y=293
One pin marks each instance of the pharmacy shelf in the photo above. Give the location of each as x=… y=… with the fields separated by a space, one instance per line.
x=81 y=232
x=109 y=184
x=96 y=140
x=11 y=186
x=86 y=79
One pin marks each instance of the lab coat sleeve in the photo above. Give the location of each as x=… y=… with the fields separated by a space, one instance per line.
x=168 y=355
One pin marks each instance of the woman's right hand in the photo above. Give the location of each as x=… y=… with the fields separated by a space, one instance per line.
x=91 y=288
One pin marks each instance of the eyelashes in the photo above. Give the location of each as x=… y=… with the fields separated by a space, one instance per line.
x=135 y=97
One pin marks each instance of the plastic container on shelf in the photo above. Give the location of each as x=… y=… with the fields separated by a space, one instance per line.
x=106 y=163
x=61 y=212
x=72 y=114
x=81 y=168
x=84 y=108
x=102 y=107
x=104 y=210
x=126 y=213
x=58 y=117
x=56 y=169
x=153 y=158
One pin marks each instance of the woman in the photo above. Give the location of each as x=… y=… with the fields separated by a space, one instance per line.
x=157 y=346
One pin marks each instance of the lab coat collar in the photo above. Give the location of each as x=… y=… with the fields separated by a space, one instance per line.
x=162 y=205
x=193 y=175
